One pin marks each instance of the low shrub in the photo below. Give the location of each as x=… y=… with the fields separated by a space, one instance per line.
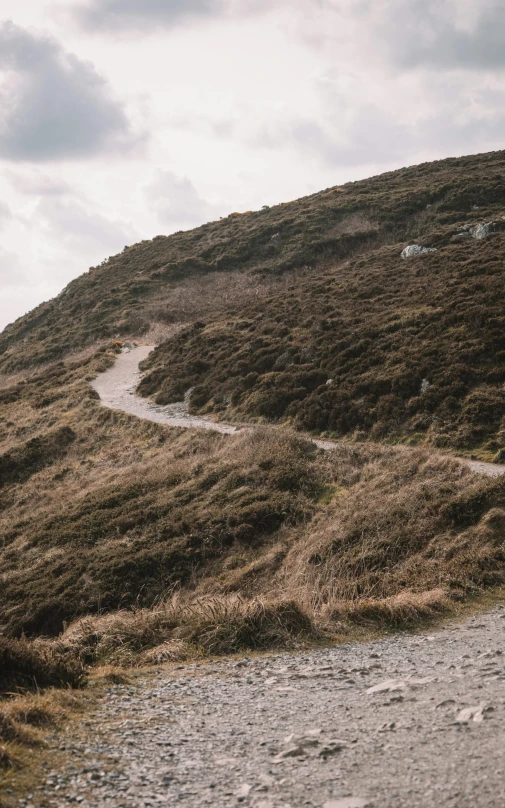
x=31 y=666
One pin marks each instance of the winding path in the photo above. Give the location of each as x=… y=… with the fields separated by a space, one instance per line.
x=116 y=388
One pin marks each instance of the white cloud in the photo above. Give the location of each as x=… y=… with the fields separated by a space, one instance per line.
x=177 y=202
x=53 y=105
x=114 y=15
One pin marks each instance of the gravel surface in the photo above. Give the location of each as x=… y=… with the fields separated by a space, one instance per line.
x=411 y=721
x=116 y=388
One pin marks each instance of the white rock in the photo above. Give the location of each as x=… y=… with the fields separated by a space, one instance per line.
x=393 y=685
x=244 y=791
x=475 y=714
x=389 y=686
x=348 y=802
x=481 y=231
x=415 y=249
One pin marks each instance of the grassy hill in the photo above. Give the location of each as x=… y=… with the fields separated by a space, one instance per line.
x=299 y=317
x=175 y=278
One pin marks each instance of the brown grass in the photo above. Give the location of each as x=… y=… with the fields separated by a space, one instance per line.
x=263 y=516
x=30 y=666
x=182 y=628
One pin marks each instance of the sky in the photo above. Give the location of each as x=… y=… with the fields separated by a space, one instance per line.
x=124 y=119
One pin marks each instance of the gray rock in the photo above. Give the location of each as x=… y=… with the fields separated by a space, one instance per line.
x=416 y=249
x=481 y=231
x=463 y=236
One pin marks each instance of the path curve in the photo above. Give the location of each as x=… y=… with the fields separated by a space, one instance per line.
x=116 y=388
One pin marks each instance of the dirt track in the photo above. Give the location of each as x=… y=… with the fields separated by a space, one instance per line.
x=116 y=388
x=412 y=721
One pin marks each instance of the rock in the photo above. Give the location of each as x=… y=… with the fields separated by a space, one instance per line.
x=348 y=802
x=463 y=236
x=389 y=686
x=393 y=685
x=424 y=385
x=244 y=791
x=331 y=748
x=297 y=745
x=481 y=231
x=475 y=714
x=276 y=237
x=415 y=249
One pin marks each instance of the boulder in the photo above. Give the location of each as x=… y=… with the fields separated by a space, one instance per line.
x=481 y=231
x=416 y=249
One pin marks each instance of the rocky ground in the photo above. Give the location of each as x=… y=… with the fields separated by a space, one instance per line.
x=409 y=721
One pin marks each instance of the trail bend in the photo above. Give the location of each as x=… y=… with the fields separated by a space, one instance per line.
x=116 y=389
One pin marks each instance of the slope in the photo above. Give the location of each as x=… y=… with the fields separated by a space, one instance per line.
x=167 y=279
x=101 y=511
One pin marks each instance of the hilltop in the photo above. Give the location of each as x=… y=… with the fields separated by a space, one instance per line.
x=301 y=318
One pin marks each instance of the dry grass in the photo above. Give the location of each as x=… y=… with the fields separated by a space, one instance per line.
x=30 y=666
x=25 y=720
x=183 y=628
x=405 y=610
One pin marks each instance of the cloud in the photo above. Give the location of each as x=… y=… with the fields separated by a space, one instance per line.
x=114 y=15
x=5 y=213
x=36 y=184
x=11 y=272
x=82 y=230
x=354 y=132
x=176 y=201
x=369 y=137
x=451 y=34
x=54 y=106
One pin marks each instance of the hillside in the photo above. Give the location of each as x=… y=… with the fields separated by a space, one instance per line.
x=224 y=264
x=302 y=318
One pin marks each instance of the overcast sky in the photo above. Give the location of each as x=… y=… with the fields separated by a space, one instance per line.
x=123 y=119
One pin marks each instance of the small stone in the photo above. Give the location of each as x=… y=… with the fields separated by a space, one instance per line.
x=389 y=686
x=348 y=802
x=244 y=791
x=331 y=748
x=475 y=714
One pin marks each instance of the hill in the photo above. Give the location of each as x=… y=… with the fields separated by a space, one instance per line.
x=219 y=265
x=301 y=318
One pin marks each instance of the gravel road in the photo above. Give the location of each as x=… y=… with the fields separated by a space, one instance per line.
x=116 y=388
x=411 y=721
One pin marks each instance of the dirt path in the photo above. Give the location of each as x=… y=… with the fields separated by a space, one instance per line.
x=412 y=721
x=116 y=388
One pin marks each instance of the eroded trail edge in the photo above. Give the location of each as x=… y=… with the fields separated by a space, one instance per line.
x=116 y=388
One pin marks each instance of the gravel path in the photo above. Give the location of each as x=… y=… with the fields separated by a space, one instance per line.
x=411 y=721
x=116 y=388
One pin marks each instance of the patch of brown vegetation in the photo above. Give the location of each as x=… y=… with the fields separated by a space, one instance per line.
x=31 y=666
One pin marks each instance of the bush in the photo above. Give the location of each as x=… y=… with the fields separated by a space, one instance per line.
x=29 y=666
